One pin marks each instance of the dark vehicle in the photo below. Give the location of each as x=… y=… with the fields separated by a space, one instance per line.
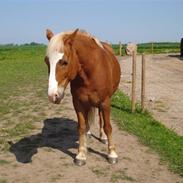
x=181 y=47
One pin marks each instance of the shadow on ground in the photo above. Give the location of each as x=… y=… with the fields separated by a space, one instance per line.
x=57 y=133
x=177 y=56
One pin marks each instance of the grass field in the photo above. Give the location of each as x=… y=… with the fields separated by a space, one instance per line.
x=149 y=131
x=22 y=79
x=23 y=82
x=164 y=47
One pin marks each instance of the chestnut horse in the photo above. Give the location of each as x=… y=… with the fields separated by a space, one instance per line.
x=93 y=72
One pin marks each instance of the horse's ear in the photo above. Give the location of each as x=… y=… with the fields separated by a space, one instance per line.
x=70 y=39
x=72 y=36
x=49 y=34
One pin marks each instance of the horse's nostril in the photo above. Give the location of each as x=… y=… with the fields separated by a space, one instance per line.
x=56 y=95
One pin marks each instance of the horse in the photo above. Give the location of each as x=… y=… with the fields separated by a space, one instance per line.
x=90 y=67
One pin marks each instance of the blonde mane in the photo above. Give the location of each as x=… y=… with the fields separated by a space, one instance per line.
x=97 y=41
x=56 y=43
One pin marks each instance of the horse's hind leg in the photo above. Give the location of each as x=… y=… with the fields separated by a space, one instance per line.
x=90 y=121
x=112 y=155
x=82 y=150
x=103 y=137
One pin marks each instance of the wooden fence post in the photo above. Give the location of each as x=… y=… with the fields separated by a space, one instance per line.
x=152 y=48
x=133 y=80
x=143 y=83
x=120 y=48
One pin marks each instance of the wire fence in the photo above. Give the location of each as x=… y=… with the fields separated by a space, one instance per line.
x=150 y=48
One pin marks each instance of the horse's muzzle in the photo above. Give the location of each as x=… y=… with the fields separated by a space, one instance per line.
x=55 y=98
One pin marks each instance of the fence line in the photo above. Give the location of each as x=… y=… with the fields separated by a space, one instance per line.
x=143 y=82
x=120 y=48
x=133 y=81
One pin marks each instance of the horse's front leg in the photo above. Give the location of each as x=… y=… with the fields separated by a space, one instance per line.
x=82 y=127
x=103 y=137
x=112 y=155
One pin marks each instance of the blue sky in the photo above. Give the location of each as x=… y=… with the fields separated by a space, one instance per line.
x=23 y=21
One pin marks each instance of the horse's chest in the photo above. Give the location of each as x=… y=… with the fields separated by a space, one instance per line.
x=86 y=96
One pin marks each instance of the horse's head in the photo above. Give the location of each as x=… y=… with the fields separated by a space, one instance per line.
x=62 y=63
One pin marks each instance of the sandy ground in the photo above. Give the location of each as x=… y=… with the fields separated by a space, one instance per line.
x=164 y=87
x=47 y=156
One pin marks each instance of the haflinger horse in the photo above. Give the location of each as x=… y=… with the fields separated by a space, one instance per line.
x=93 y=72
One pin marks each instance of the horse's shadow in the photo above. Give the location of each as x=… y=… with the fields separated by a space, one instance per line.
x=58 y=133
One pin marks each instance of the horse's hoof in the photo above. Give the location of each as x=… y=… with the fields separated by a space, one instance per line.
x=104 y=141
x=79 y=162
x=112 y=160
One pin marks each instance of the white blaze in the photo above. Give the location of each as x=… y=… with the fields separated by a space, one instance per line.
x=53 y=84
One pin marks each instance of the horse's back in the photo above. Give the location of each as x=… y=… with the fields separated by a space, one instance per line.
x=107 y=47
x=113 y=66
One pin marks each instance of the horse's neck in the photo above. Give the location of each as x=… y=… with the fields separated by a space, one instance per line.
x=81 y=78
x=86 y=58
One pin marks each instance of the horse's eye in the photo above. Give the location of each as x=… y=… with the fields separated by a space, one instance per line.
x=63 y=62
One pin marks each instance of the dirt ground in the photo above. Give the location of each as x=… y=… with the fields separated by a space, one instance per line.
x=164 y=87
x=47 y=154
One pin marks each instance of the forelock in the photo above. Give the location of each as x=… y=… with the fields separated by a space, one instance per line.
x=55 y=45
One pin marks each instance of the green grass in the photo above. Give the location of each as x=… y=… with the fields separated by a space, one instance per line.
x=3 y=162
x=3 y=181
x=23 y=88
x=20 y=129
x=21 y=70
x=149 y=131
x=160 y=47
x=16 y=132
x=121 y=175
x=23 y=80
x=116 y=49
x=99 y=172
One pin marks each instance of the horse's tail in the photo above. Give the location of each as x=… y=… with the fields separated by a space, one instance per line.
x=91 y=118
